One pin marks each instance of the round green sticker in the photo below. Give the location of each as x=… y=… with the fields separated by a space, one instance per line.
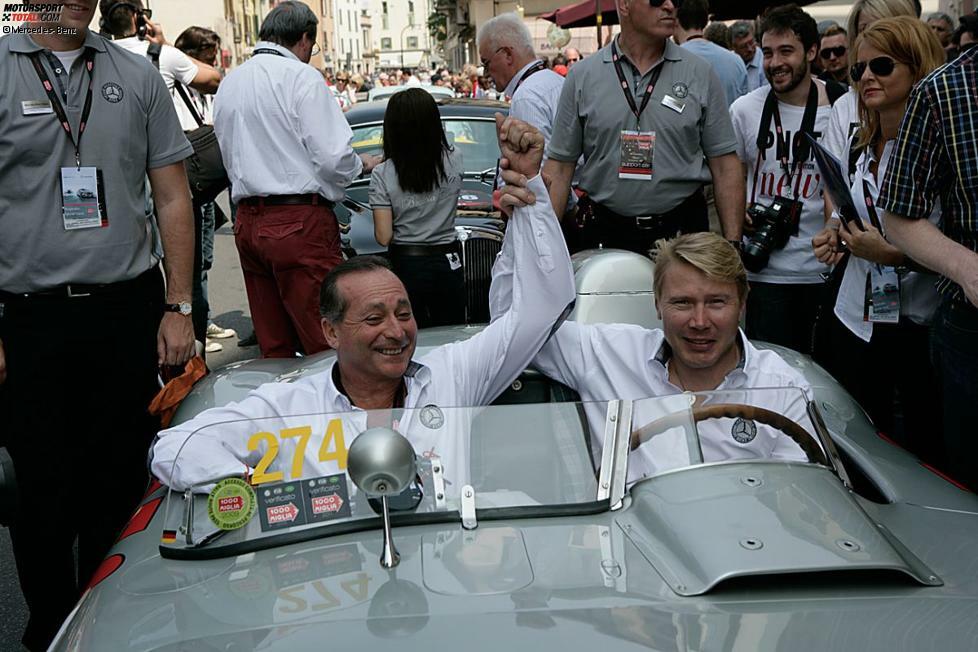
x=231 y=503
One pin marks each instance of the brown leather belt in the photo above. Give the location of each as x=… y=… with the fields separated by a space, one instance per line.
x=308 y=199
x=422 y=250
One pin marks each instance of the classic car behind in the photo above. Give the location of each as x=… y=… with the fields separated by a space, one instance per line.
x=531 y=539
x=470 y=126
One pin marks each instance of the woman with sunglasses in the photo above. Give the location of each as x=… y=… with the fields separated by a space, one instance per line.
x=845 y=117
x=414 y=195
x=879 y=342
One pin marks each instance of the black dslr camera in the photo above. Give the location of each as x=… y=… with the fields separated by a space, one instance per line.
x=773 y=226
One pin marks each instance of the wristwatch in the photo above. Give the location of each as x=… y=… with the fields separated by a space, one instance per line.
x=184 y=308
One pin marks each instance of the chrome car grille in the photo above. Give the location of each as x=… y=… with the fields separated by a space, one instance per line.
x=479 y=251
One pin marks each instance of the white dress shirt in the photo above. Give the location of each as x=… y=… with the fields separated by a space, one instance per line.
x=755 y=72
x=918 y=291
x=468 y=373
x=281 y=131
x=602 y=362
x=535 y=102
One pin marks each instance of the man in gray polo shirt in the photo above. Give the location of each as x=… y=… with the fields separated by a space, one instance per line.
x=82 y=325
x=651 y=121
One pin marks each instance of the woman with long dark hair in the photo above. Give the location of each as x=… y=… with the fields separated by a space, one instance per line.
x=414 y=194
x=879 y=340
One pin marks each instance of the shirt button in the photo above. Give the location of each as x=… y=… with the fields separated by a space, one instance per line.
x=57 y=70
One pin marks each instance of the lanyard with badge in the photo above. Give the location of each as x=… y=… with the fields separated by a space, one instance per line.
x=791 y=155
x=537 y=67
x=882 y=303
x=636 y=147
x=83 y=206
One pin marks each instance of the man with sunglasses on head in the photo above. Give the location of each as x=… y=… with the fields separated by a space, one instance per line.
x=832 y=54
x=784 y=187
x=651 y=120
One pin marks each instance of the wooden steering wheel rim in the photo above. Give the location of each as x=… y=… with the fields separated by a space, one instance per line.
x=802 y=437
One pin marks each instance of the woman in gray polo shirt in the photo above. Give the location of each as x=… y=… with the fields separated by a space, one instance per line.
x=414 y=194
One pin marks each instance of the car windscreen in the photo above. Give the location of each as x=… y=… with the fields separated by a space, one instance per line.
x=474 y=139
x=517 y=460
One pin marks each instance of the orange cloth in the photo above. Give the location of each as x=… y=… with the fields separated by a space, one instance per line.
x=165 y=403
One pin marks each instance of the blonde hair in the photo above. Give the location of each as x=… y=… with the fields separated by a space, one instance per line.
x=908 y=41
x=878 y=8
x=707 y=252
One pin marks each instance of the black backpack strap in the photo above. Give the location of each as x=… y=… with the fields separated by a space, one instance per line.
x=153 y=52
x=186 y=100
x=835 y=90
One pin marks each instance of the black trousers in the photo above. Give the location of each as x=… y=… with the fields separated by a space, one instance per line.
x=596 y=226
x=73 y=413
x=892 y=378
x=436 y=291
x=784 y=313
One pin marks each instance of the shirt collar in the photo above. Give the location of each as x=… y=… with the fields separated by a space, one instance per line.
x=24 y=44
x=268 y=45
x=511 y=86
x=758 y=60
x=416 y=377
x=672 y=52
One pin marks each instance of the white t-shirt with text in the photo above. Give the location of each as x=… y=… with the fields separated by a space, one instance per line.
x=796 y=262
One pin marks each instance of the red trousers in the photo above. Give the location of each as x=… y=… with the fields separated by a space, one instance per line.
x=285 y=252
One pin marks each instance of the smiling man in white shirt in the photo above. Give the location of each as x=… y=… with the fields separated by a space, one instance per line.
x=367 y=319
x=287 y=150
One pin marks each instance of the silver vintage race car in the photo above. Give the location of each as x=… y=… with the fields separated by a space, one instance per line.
x=531 y=536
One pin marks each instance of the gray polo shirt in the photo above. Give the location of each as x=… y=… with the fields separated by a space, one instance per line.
x=132 y=128
x=426 y=219
x=593 y=112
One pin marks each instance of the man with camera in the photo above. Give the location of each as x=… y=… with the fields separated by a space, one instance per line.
x=784 y=188
x=127 y=22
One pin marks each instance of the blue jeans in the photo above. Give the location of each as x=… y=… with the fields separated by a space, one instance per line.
x=956 y=358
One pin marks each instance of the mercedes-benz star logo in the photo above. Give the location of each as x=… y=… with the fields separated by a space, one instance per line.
x=743 y=431
x=112 y=92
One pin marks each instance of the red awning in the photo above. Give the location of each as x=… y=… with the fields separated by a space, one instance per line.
x=582 y=14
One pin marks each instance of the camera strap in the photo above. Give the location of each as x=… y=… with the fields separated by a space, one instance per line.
x=791 y=158
x=89 y=58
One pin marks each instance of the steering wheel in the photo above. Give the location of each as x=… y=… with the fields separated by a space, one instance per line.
x=802 y=437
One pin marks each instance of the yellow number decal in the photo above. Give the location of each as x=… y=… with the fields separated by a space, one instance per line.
x=357 y=588
x=291 y=595
x=260 y=476
x=334 y=433
x=303 y=433
x=330 y=600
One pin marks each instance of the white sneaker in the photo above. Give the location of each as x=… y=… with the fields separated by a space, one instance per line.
x=213 y=347
x=218 y=333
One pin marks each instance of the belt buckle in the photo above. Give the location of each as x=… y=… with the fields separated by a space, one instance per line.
x=75 y=295
x=644 y=222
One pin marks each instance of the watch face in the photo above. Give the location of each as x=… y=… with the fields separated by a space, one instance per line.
x=185 y=309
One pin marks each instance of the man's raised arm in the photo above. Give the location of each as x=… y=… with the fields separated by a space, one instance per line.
x=542 y=288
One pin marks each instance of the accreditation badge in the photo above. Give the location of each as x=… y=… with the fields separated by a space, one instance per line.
x=637 y=149
x=82 y=204
x=884 y=304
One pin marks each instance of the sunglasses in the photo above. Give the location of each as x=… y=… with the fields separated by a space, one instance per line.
x=828 y=53
x=880 y=66
x=658 y=3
